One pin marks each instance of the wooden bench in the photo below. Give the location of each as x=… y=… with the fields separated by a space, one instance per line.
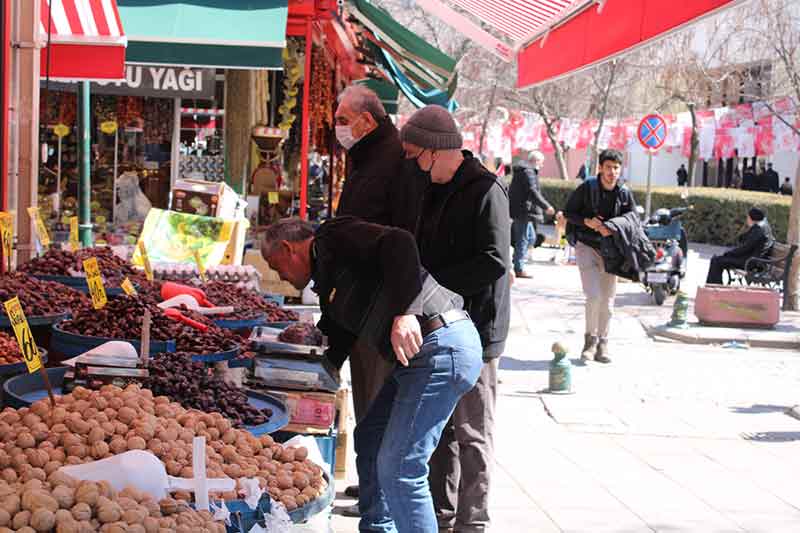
x=771 y=272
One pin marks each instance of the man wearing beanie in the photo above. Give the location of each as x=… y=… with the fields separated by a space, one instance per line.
x=757 y=241
x=464 y=235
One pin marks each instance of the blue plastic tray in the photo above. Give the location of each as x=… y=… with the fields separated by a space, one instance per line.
x=279 y=325
x=214 y=357
x=241 y=324
x=18 y=368
x=45 y=320
x=79 y=284
x=241 y=363
x=24 y=389
x=280 y=413
x=71 y=344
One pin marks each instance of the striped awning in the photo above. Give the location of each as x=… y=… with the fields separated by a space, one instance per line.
x=518 y=20
x=86 y=39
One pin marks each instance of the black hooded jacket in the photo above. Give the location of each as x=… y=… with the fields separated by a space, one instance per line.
x=627 y=252
x=757 y=241
x=525 y=198
x=463 y=235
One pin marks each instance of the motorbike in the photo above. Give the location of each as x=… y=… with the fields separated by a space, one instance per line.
x=666 y=232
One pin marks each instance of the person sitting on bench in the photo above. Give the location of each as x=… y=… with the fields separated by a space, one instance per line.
x=757 y=241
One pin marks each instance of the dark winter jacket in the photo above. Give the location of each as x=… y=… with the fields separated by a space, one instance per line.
x=591 y=200
x=366 y=275
x=525 y=198
x=464 y=240
x=628 y=251
x=757 y=241
x=377 y=189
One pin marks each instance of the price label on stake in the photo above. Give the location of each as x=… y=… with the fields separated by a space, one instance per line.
x=41 y=229
x=128 y=287
x=74 y=241
x=30 y=353
x=272 y=197
x=95 y=281
x=7 y=234
x=148 y=270
x=200 y=267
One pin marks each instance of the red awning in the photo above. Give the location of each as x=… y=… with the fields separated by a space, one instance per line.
x=86 y=40
x=594 y=34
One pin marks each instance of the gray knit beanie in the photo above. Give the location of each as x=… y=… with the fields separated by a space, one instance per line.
x=432 y=127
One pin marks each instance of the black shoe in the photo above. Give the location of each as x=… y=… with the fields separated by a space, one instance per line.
x=539 y=240
x=602 y=352
x=351 y=491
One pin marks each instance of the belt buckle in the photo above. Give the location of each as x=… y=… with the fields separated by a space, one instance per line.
x=443 y=318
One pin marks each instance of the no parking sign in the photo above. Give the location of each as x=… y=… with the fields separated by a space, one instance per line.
x=652 y=132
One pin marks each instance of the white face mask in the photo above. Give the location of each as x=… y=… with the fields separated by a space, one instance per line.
x=344 y=134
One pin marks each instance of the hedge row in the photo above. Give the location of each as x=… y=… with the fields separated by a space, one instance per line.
x=718 y=215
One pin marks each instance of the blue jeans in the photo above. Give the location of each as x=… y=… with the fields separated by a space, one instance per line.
x=397 y=437
x=521 y=235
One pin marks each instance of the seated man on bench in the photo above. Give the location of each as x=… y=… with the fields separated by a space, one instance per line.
x=755 y=242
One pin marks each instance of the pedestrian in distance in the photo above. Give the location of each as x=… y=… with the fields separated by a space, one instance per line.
x=786 y=187
x=773 y=180
x=464 y=240
x=527 y=205
x=372 y=289
x=757 y=241
x=588 y=208
x=683 y=176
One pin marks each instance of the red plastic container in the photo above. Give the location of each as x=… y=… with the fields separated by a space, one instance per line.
x=721 y=305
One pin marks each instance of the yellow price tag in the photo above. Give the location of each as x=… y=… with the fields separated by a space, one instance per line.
x=148 y=269
x=61 y=130
x=74 y=241
x=128 y=287
x=109 y=127
x=7 y=235
x=95 y=281
x=41 y=229
x=23 y=333
x=200 y=267
x=272 y=197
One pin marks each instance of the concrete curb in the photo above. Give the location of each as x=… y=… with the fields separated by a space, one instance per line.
x=705 y=335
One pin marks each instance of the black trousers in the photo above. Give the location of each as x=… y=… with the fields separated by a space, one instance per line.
x=719 y=263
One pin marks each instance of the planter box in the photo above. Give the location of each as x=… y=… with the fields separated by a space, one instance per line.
x=721 y=305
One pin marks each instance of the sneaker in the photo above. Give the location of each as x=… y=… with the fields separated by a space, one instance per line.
x=602 y=352
x=523 y=275
x=589 y=352
x=351 y=491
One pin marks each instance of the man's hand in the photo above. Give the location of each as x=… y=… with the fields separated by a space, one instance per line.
x=406 y=338
x=550 y=211
x=594 y=223
x=604 y=231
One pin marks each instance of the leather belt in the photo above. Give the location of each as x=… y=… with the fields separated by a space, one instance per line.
x=443 y=319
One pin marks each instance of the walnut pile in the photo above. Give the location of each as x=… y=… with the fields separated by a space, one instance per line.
x=65 y=505
x=89 y=425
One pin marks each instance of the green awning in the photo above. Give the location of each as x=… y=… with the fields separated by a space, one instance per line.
x=419 y=61
x=387 y=92
x=246 y=34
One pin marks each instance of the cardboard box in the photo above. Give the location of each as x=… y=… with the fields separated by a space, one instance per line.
x=343 y=434
x=205 y=198
x=270 y=281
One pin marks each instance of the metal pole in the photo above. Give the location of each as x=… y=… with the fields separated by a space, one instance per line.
x=306 y=126
x=58 y=181
x=649 y=184
x=84 y=148
x=114 y=177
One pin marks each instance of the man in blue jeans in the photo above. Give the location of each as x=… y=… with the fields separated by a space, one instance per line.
x=372 y=289
x=527 y=206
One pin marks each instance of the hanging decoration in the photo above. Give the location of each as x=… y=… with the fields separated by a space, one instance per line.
x=321 y=101
x=292 y=73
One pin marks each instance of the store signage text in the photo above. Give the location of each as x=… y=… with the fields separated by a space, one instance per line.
x=166 y=82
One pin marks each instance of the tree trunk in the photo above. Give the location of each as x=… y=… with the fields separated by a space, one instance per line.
x=793 y=237
x=486 y=118
x=695 y=146
x=561 y=162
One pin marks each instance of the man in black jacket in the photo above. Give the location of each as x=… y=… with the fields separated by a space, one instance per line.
x=757 y=241
x=527 y=206
x=373 y=289
x=588 y=209
x=773 y=179
x=464 y=240
x=376 y=190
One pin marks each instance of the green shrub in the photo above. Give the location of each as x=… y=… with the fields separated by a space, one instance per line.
x=718 y=215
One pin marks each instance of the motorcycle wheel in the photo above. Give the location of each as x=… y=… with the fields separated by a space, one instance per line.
x=659 y=294
x=674 y=284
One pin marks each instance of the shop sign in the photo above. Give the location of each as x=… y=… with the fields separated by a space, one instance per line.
x=95 y=281
x=30 y=353
x=163 y=82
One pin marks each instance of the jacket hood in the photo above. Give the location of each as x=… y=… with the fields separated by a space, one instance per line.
x=470 y=172
x=364 y=148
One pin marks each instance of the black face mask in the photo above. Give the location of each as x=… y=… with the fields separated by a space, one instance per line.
x=412 y=168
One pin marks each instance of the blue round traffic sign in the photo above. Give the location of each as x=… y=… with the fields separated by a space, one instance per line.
x=652 y=132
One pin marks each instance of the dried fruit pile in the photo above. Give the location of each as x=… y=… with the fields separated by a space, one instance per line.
x=63 y=504
x=64 y=262
x=41 y=298
x=9 y=350
x=305 y=334
x=88 y=425
x=121 y=318
x=194 y=386
x=247 y=303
